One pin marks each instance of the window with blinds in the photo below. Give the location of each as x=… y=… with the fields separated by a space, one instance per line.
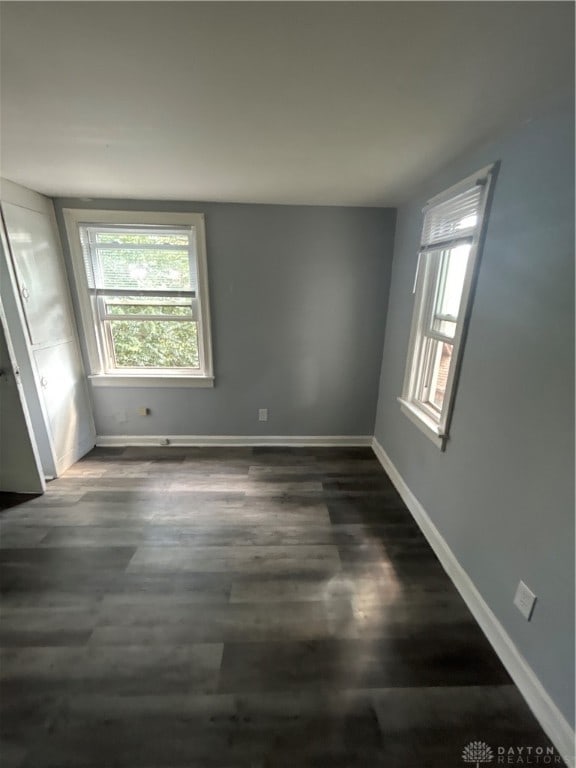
x=142 y=285
x=453 y=221
x=449 y=249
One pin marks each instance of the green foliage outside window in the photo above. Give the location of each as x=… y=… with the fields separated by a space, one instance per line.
x=155 y=344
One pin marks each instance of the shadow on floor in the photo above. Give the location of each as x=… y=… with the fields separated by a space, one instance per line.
x=9 y=500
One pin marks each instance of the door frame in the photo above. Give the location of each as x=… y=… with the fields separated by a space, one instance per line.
x=14 y=371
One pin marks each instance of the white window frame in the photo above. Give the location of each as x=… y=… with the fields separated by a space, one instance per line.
x=100 y=372
x=435 y=423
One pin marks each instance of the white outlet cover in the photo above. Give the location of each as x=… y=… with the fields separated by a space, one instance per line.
x=263 y=414
x=525 y=600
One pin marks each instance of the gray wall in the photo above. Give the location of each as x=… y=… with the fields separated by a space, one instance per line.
x=298 y=299
x=502 y=494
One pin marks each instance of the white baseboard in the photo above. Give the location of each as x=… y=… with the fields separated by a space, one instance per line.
x=303 y=441
x=545 y=710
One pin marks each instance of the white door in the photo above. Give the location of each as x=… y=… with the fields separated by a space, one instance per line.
x=64 y=393
x=20 y=468
x=41 y=282
x=40 y=275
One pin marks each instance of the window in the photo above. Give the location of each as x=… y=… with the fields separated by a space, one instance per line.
x=447 y=260
x=142 y=286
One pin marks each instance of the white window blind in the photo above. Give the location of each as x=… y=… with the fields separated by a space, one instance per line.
x=143 y=260
x=452 y=221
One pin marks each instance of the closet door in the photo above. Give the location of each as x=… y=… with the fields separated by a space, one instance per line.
x=41 y=279
x=41 y=282
x=62 y=388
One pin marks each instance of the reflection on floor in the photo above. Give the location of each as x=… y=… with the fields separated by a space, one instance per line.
x=238 y=608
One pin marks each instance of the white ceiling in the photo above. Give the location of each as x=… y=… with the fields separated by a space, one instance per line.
x=316 y=103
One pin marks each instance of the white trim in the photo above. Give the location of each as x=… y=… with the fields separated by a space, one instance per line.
x=545 y=710
x=423 y=422
x=145 y=380
x=119 y=441
x=13 y=193
x=461 y=186
x=203 y=300
x=86 y=319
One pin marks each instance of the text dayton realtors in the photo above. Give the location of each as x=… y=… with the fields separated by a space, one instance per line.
x=527 y=756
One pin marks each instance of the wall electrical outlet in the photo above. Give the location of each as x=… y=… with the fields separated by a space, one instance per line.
x=263 y=414
x=143 y=411
x=525 y=600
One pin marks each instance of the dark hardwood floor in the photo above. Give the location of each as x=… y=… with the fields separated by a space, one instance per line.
x=238 y=608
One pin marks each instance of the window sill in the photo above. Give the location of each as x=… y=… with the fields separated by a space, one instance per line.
x=144 y=380
x=424 y=423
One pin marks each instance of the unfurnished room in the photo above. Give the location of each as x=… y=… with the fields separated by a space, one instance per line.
x=286 y=384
